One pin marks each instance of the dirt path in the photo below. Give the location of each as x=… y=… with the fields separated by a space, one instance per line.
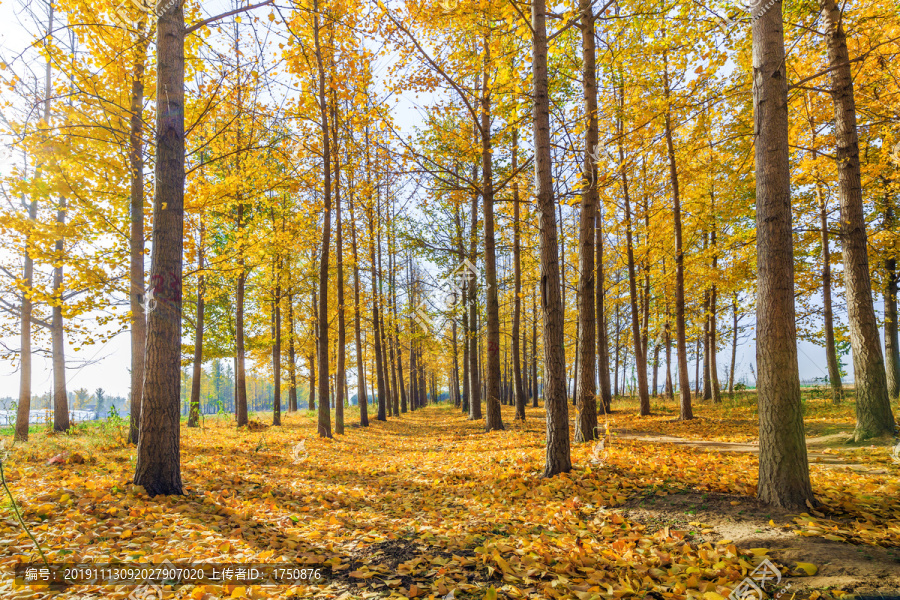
x=862 y=570
x=715 y=517
x=816 y=447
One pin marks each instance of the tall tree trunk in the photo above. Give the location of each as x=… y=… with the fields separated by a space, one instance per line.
x=23 y=410
x=324 y=413
x=382 y=405
x=707 y=384
x=401 y=388
x=602 y=337
x=493 y=417
x=339 y=257
x=834 y=371
x=699 y=359
x=680 y=335
x=518 y=386
x=734 y=309
x=194 y=412
x=558 y=459
x=534 y=356
x=136 y=238
x=618 y=347
x=397 y=372
x=240 y=376
x=158 y=467
x=873 y=408
x=276 y=345
x=891 y=338
x=670 y=391
x=640 y=361
x=713 y=294
x=312 y=381
x=361 y=396
x=475 y=384
x=586 y=398
x=57 y=333
x=385 y=362
x=655 y=369
x=783 y=467
x=292 y=349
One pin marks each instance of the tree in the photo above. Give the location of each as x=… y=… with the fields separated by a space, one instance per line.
x=783 y=467
x=558 y=459
x=586 y=420
x=873 y=408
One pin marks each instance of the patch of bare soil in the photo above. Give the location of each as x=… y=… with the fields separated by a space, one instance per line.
x=862 y=570
x=816 y=448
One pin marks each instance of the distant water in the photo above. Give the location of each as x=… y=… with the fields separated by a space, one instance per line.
x=36 y=417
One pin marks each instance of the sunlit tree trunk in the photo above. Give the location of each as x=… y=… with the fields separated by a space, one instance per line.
x=493 y=418
x=558 y=459
x=734 y=340
x=136 y=237
x=23 y=410
x=639 y=356
x=240 y=377
x=361 y=395
x=586 y=398
x=600 y=323
x=276 y=342
x=475 y=384
x=341 y=373
x=834 y=371
x=680 y=333
x=783 y=467
x=194 y=412
x=292 y=349
x=57 y=333
x=534 y=356
x=873 y=409
x=158 y=466
x=324 y=413
x=891 y=338
x=518 y=386
x=463 y=304
x=379 y=373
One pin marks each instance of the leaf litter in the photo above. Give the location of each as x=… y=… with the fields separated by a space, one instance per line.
x=428 y=506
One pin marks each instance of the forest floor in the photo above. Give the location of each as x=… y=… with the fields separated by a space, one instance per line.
x=429 y=506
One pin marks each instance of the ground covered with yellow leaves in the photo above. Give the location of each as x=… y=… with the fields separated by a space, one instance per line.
x=429 y=506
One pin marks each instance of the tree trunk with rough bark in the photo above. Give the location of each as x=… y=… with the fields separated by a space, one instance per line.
x=240 y=376
x=518 y=386
x=834 y=371
x=558 y=458
x=158 y=466
x=57 y=332
x=362 y=399
x=276 y=345
x=602 y=336
x=586 y=397
x=292 y=349
x=891 y=337
x=493 y=417
x=194 y=412
x=340 y=365
x=873 y=409
x=783 y=467
x=136 y=238
x=324 y=413
x=680 y=334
